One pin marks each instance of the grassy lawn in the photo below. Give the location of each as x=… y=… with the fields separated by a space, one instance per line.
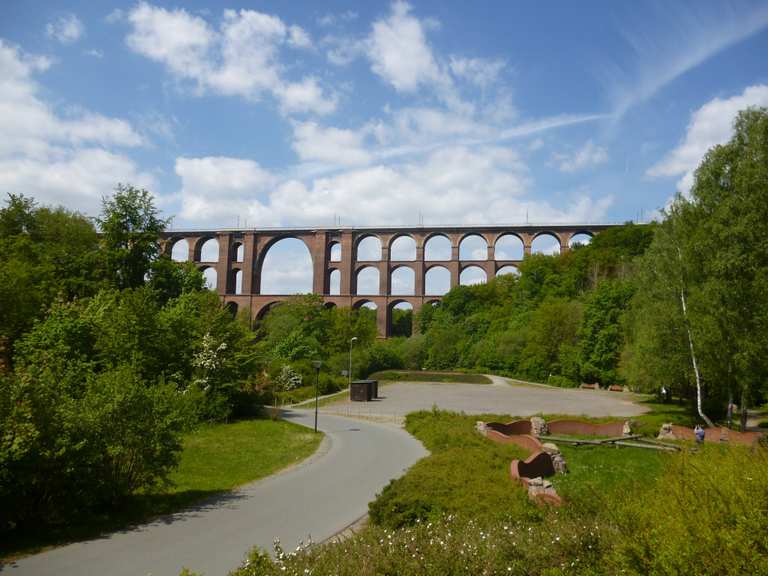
x=426 y=376
x=224 y=456
x=215 y=458
x=467 y=474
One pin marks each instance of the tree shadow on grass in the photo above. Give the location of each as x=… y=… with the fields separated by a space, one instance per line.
x=135 y=513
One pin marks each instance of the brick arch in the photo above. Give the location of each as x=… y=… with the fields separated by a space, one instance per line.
x=394 y=269
x=432 y=236
x=415 y=304
x=541 y=233
x=470 y=234
x=429 y=264
x=360 y=301
x=359 y=269
x=464 y=235
x=442 y=266
x=363 y=236
x=198 y=246
x=462 y=269
x=414 y=301
x=263 y=250
x=265 y=308
x=394 y=237
x=233 y=251
x=329 y=251
x=328 y=275
x=567 y=237
x=501 y=235
x=168 y=245
x=212 y=266
x=232 y=283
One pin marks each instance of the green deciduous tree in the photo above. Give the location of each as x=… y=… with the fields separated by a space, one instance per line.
x=601 y=333
x=707 y=269
x=45 y=254
x=130 y=235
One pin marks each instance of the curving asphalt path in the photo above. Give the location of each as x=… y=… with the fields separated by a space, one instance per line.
x=319 y=497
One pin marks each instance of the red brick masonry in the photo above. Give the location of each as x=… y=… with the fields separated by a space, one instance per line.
x=580 y=428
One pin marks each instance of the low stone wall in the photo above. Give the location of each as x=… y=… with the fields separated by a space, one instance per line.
x=538 y=465
x=544 y=461
x=525 y=441
x=515 y=427
x=581 y=428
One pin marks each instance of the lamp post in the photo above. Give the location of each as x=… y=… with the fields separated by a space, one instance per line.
x=316 y=364
x=352 y=341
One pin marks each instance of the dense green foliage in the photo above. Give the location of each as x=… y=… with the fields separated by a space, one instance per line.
x=709 y=252
x=559 y=321
x=116 y=353
x=45 y=254
x=130 y=227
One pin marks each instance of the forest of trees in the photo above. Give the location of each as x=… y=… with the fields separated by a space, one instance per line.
x=112 y=352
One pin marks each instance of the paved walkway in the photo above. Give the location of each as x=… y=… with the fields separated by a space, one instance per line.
x=319 y=497
x=501 y=397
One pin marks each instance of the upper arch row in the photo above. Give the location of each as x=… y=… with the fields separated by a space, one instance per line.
x=403 y=247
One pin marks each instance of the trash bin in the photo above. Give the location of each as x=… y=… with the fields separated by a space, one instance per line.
x=363 y=390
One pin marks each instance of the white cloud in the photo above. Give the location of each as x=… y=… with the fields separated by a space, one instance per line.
x=67 y=29
x=94 y=53
x=479 y=71
x=218 y=189
x=242 y=58
x=451 y=185
x=306 y=96
x=117 y=15
x=314 y=143
x=298 y=37
x=76 y=178
x=681 y=38
x=329 y=19
x=176 y=38
x=710 y=125
x=399 y=52
x=536 y=144
x=586 y=156
x=342 y=50
x=57 y=158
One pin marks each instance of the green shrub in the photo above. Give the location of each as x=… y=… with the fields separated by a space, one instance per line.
x=64 y=455
x=561 y=381
x=706 y=515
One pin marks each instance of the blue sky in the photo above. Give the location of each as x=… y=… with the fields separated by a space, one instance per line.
x=310 y=113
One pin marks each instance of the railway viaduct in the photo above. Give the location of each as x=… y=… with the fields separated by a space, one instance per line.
x=338 y=261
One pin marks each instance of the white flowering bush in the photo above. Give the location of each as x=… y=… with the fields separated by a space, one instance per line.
x=288 y=379
x=448 y=545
